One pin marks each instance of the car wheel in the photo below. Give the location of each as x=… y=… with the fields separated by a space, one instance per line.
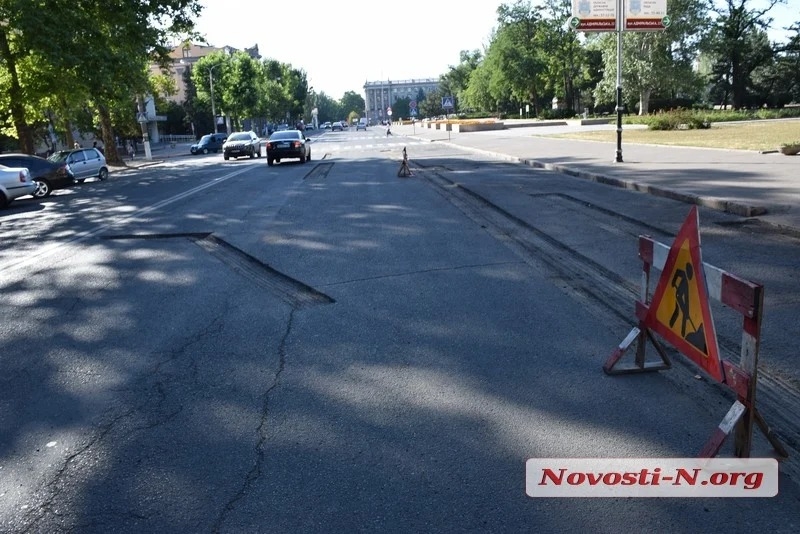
x=270 y=162
x=205 y=151
x=42 y=189
x=226 y=157
x=277 y=160
x=252 y=153
x=303 y=158
x=3 y=201
x=80 y=180
x=309 y=155
x=258 y=152
x=103 y=174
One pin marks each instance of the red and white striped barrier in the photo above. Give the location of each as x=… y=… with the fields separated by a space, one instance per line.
x=678 y=312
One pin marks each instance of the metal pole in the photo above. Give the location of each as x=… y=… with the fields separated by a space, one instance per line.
x=620 y=5
x=211 y=89
x=142 y=106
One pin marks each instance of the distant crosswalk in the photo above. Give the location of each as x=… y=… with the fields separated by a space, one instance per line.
x=338 y=145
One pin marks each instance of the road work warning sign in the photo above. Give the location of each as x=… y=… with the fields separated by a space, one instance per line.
x=680 y=310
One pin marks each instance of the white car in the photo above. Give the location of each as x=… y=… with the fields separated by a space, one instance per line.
x=15 y=182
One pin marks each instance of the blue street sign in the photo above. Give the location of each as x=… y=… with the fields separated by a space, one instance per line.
x=447 y=102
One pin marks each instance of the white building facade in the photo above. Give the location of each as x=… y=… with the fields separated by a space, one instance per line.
x=379 y=96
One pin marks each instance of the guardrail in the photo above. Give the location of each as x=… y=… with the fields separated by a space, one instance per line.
x=173 y=138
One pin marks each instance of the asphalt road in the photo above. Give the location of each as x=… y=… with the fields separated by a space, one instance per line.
x=209 y=346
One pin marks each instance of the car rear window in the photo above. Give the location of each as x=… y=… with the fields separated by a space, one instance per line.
x=279 y=136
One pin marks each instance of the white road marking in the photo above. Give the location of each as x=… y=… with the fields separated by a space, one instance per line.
x=14 y=265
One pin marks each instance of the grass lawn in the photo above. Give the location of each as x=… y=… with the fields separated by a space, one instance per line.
x=757 y=135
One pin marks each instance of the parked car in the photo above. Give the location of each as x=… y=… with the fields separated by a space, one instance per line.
x=325 y=126
x=242 y=144
x=288 y=144
x=209 y=143
x=15 y=182
x=47 y=175
x=82 y=163
x=337 y=126
x=362 y=124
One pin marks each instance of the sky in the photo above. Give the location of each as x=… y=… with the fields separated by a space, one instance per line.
x=341 y=44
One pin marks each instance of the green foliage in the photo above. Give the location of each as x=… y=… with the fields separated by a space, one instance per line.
x=701 y=119
x=352 y=102
x=549 y=114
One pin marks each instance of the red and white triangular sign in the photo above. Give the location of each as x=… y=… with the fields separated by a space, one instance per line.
x=679 y=310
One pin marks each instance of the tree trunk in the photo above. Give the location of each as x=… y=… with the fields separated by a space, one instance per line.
x=644 y=102
x=16 y=98
x=107 y=130
x=737 y=84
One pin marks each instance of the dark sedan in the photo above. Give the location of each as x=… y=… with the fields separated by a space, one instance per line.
x=288 y=144
x=47 y=175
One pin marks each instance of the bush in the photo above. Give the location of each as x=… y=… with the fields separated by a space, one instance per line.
x=549 y=114
x=700 y=119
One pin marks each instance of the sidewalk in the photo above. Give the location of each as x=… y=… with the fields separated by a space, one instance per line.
x=740 y=182
x=159 y=151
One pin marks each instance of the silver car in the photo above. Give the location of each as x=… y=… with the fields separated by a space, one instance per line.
x=15 y=182
x=82 y=163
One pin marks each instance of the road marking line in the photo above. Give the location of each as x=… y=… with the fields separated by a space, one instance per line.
x=49 y=249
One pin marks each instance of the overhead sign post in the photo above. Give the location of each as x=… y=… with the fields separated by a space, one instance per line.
x=619 y=16
x=594 y=15
x=646 y=15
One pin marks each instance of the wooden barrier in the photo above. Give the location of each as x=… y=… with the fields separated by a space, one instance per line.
x=693 y=283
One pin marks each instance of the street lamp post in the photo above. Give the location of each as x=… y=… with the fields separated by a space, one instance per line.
x=211 y=89
x=142 y=119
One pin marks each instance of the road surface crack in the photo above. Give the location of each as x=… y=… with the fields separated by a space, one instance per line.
x=262 y=430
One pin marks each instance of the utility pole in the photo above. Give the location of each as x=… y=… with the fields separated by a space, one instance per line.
x=618 y=155
x=211 y=90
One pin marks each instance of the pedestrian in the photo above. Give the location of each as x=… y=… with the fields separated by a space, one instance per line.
x=76 y=145
x=388 y=128
x=131 y=150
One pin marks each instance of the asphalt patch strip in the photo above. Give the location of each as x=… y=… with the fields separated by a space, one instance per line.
x=292 y=291
x=636 y=223
x=321 y=170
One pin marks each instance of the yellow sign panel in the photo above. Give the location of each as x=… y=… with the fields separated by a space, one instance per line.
x=680 y=311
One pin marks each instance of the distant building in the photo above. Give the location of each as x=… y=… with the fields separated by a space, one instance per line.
x=186 y=55
x=183 y=57
x=382 y=95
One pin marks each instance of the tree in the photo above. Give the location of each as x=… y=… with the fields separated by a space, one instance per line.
x=456 y=80
x=242 y=81
x=328 y=108
x=352 y=102
x=112 y=42
x=431 y=106
x=654 y=62
x=517 y=50
x=788 y=63
x=565 y=57
x=736 y=22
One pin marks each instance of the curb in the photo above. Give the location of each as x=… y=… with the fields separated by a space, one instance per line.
x=717 y=204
